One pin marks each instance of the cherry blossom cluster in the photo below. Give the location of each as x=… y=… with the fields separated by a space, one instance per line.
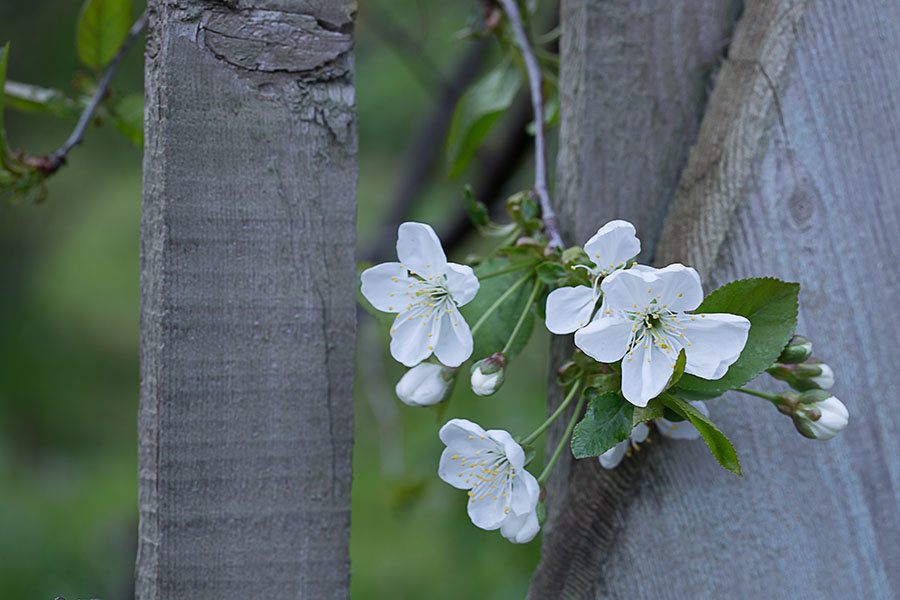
x=651 y=348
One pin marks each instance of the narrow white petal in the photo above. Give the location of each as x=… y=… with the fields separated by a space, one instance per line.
x=640 y=433
x=462 y=283
x=678 y=288
x=520 y=529
x=413 y=336
x=613 y=245
x=455 y=339
x=419 y=249
x=629 y=289
x=386 y=287
x=612 y=457
x=714 y=342
x=605 y=339
x=645 y=372
x=525 y=492
x=569 y=308
x=510 y=447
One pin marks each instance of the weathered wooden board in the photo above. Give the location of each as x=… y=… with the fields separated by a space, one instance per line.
x=247 y=302
x=815 y=203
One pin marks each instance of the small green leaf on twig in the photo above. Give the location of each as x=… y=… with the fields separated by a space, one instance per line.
x=102 y=27
x=719 y=445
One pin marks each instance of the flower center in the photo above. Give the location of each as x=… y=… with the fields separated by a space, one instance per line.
x=655 y=324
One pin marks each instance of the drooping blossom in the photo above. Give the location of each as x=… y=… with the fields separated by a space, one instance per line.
x=681 y=430
x=425 y=384
x=491 y=465
x=610 y=249
x=426 y=291
x=645 y=322
x=488 y=374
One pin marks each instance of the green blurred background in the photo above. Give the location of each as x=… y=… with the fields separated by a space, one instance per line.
x=69 y=333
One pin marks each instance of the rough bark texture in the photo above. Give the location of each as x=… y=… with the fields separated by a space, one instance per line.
x=794 y=174
x=247 y=314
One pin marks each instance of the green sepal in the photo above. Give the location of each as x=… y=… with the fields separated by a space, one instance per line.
x=719 y=445
x=606 y=423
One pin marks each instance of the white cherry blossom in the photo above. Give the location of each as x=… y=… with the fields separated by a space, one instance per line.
x=829 y=419
x=570 y=308
x=682 y=430
x=644 y=321
x=491 y=465
x=425 y=384
x=426 y=291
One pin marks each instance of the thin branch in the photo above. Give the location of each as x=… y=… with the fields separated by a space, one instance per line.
x=551 y=225
x=54 y=161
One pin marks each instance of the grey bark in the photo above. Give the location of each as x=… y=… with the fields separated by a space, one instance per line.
x=793 y=175
x=247 y=303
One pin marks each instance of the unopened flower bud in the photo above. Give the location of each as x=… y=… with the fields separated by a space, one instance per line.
x=816 y=375
x=819 y=415
x=425 y=384
x=487 y=374
x=796 y=351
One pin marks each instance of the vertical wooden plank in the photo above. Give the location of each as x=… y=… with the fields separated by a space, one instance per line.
x=247 y=320
x=813 y=190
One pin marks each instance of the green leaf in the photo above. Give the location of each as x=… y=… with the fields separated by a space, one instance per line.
x=606 y=423
x=653 y=410
x=495 y=331
x=102 y=27
x=477 y=111
x=771 y=307
x=550 y=272
x=35 y=99
x=719 y=445
x=129 y=118
x=4 y=56
x=678 y=371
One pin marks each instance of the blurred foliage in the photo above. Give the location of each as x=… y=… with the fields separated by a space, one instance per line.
x=69 y=325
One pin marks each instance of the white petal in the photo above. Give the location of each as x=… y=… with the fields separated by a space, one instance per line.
x=454 y=339
x=465 y=436
x=510 y=447
x=386 y=287
x=487 y=511
x=678 y=288
x=624 y=289
x=525 y=492
x=612 y=457
x=419 y=249
x=826 y=379
x=414 y=335
x=645 y=373
x=520 y=529
x=423 y=385
x=715 y=342
x=569 y=308
x=613 y=245
x=605 y=339
x=640 y=433
x=462 y=283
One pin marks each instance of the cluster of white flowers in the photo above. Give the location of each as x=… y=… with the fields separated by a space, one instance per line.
x=639 y=315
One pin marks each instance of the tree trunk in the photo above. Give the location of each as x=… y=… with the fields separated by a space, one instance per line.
x=794 y=174
x=247 y=301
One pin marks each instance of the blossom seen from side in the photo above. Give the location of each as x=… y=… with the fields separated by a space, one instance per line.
x=425 y=291
x=491 y=466
x=425 y=384
x=645 y=322
x=820 y=416
x=610 y=249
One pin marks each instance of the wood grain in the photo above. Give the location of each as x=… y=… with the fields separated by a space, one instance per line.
x=807 y=168
x=247 y=303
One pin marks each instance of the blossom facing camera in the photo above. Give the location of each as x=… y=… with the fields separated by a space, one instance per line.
x=491 y=466
x=488 y=374
x=819 y=415
x=610 y=249
x=426 y=292
x=425 y=384
x=645 y=322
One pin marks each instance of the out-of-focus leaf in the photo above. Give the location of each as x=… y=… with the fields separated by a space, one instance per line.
x=129 y=118
x=477 y=111
x=4 y=148
x=35 y=99
x=102 y=27
x=498 y=327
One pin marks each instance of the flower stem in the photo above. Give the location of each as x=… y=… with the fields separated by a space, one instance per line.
x=499 y=301
x=562 y=442
x=534 y=293
x=506 y=270
x=770 y=397
x=534 y=435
